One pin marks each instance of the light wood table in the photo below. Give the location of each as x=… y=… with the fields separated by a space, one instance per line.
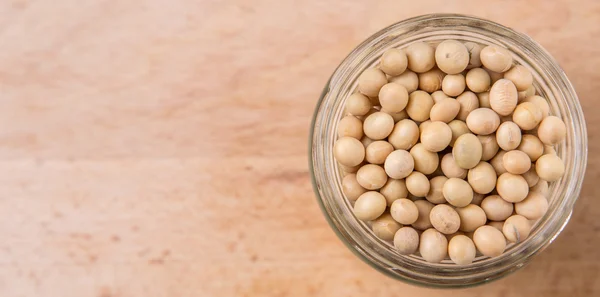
x=159 y=148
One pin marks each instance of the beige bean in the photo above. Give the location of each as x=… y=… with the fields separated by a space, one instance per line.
x=378 y=125
x=533 y=207
x=458 y=128
x=421 y=57
x=444 y=219
x=498 y=163
x=385 y=227
x=512 y=188
x=503 y=97
x=417 y=184
x=444 y=110
x=349 y=151
x=419 y=105
x=431 y=80
x=393 y=62
x=433 y=246
x=467 y=151
x=350 y=126
x=408 y=79
x=496 y=224
x=468 y=102
x=436 y=136
x=516 y=162
x=483 y=121
x=424 y=207
x=532 y=146
x=358 y=104
x=541 y=187
x=516 y=228
x=461 y=250
x=393 y=97
x=496 y=208
x=371 y=81
x=550 y=168
x=484 y=99
x=369 y=206
x=474 y=53
x=527 y=115
x=457 y=192
x=540 y=102
x=453 y=84
x=508 y=136
x=405 y=134
x=452 y=56
x=489 y=241
x=496 y=58
x=527 y=93
x=351 y=188
x=406 y=240
x=471 y=217
x=404 y=211
x=377 y=152
x=478 y=80
x=399 y=164
x=393 y=190
x=552 y=130
x=520 y=76
x=451 y=169
x=482 y=178
x=371 y=177
x=531 y=177
x=489 y=146
x=438 y=95
x=435 y=194
x=426 y=162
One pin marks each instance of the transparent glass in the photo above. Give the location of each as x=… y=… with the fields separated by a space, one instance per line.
x=550 y=82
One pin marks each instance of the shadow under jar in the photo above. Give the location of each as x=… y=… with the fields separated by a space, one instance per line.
x=550 y=82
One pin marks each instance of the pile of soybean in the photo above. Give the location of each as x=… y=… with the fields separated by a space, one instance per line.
x=448 y=151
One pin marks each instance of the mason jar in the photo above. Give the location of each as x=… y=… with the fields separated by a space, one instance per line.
x=550 y=82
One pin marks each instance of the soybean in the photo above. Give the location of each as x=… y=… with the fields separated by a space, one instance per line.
x=385 y=227
x=467 y=151
x=433 y=246
x=369 y=206
x=406 y=240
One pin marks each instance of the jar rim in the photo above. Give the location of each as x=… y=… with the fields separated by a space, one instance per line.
x=323 y=169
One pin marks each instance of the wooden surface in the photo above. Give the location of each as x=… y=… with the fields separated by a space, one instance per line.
x=159 y=148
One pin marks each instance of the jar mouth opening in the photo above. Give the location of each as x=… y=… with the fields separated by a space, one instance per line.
x=550 y=82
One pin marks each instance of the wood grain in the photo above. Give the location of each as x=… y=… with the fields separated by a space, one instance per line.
x=159 y=148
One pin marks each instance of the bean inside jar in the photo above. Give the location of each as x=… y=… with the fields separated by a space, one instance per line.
x=448 y=150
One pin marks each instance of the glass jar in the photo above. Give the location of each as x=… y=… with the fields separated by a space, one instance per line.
x=550 y=82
